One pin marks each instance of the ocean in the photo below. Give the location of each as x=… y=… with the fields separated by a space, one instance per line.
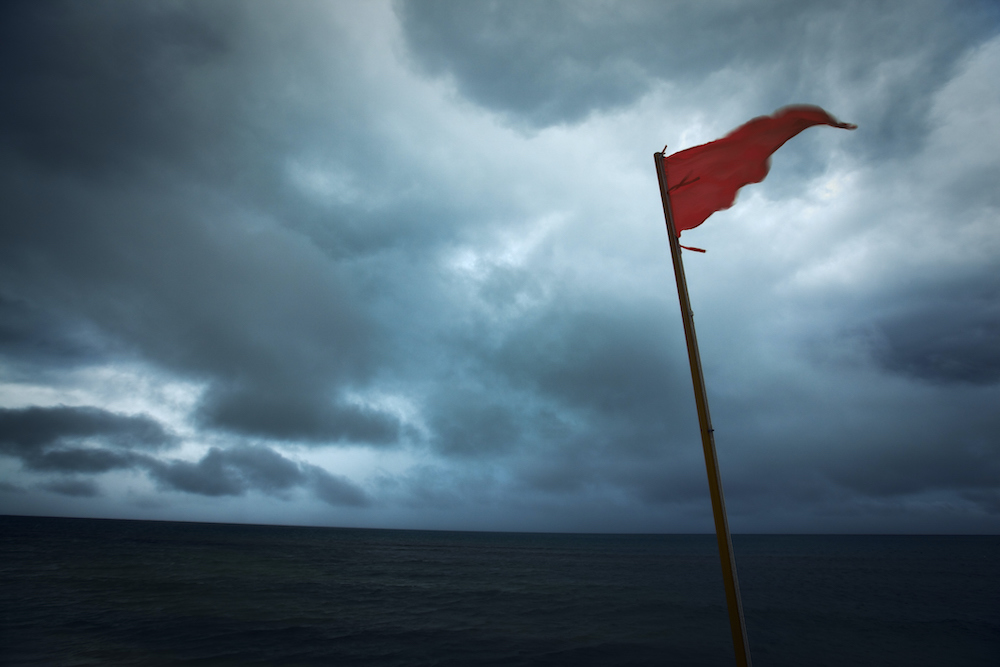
x=77 y=592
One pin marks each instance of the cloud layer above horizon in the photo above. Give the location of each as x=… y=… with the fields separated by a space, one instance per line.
x=402 y=264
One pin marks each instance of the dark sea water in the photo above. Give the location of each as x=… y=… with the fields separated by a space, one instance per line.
x=94 y=592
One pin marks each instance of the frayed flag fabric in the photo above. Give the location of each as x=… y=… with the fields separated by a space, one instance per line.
x=705 y=179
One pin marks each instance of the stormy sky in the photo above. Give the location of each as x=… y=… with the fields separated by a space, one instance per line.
x=403 y=264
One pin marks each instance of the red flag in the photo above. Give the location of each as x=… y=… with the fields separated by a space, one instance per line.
x=706 y=178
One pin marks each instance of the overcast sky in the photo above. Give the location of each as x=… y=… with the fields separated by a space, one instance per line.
x=403 y=264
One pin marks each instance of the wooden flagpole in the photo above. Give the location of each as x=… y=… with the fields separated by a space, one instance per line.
x=736 y=623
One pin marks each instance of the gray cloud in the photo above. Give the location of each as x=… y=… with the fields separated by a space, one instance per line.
x=108 y=158
x=229 y=472
x=581 y=374
x=949 y=336
x=289 y=219
x=95 y=89
x=297 y=416
x=48 y=440
x=32 y=339
x=76 y=488
x=557 y=61
x=335 y=489
x=89 y=460
x=967 y=462
x=29 y=430
x=234 y=471
x=610 y=359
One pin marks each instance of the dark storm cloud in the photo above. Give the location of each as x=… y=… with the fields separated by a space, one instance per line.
x=881 y=441
x=142 y=161
x=335 y=489
x=273 y=211
x=609 y=359
x=89 y=460
x=968 y=461
x=261 y=308
x=230 y=472
x=581 y=395
x=24 y=430
x=94 y=89
x=542 y=60
x=43 y=438
x=81 y=488
x=48 y=440
x=31 y=338
x=301 y=416
x=950 y=336
x=553 y=61
x=83 y=440
x=472 y=422
x=234 y=471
